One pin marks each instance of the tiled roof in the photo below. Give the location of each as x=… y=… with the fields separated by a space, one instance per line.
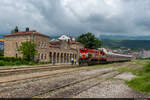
x=26 y=33
x=54 y=46
x=72 y=49
x=71 y=42
x=53 y=41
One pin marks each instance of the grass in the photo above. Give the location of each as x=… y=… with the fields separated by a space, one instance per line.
x=142 y=81
x=140 y=61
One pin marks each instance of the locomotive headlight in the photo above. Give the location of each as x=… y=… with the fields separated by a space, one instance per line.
x=80 y=55
x=86 y=55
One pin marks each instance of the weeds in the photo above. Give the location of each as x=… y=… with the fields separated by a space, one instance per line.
x=142 y=81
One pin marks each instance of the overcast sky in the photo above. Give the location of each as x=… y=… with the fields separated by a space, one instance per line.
x=121 y=17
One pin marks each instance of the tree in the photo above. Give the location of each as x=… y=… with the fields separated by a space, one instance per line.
x=89 y=40
x=28 y=50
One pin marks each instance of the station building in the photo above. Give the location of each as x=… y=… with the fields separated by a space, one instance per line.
x=59 y=51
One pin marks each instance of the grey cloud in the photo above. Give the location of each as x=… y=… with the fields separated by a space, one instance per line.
x=77 y=16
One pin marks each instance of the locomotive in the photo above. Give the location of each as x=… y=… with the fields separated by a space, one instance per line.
x=100 y=56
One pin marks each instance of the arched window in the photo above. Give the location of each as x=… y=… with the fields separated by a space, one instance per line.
x=41 y=56
x=45 y=56
x=41 y=45
x=50 y=55
x=44 y=45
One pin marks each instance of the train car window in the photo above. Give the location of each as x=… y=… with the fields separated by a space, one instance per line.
x=89 y=55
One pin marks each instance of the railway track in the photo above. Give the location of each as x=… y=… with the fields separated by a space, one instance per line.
x=33 y=79
x=76 y=87
x=60 y=70
x=10 y=71
x=18 y=70
x=13 y=85
x=55 y=87
x=22 y=67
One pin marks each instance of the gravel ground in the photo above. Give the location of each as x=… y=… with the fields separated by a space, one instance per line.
x=41 y=87
x=74 y=89
x=31 y=75
x=44 y=85
x=111 y=89
x=125 y=76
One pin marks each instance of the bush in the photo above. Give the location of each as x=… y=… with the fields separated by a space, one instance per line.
x=31 y=63
x=24 y=62
x=37 y=61
x=147 y=67
x=2 y=63
x=9 y=61
x=17 y=63
x=44 y=62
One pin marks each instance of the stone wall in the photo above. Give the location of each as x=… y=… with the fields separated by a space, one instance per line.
x=12 y=43
x=42 y=43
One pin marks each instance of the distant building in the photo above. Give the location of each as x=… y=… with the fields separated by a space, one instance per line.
x=66 y=38
x=145 y=53
x=1 y=44
x=135 y=55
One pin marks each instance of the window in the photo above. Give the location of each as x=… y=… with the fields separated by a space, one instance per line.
x=45 y=56
x=45 y=45
x=39 y=45
x=42 y=45
x=16 y=45
x=41 y=56
x=16 y=55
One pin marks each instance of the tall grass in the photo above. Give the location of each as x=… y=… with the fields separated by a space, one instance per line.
x=142 y=81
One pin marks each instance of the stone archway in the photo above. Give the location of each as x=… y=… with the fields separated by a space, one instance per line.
x=76 y=56
x=54 y=57
x=50 y=56
x=65 y=57
x=70 y=56
x=57 y=57
x=62 y=60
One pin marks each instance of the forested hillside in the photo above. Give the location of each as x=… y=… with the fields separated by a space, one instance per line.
x=142 y=44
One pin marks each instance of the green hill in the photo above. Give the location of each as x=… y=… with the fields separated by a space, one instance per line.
x=135 y=44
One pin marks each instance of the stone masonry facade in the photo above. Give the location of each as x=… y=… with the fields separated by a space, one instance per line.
x=48 y=51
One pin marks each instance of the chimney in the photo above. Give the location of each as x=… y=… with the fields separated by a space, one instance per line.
x=16 y=29
x=27 y=29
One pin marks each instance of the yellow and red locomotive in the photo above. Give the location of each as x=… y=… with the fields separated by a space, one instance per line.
x=89 y=56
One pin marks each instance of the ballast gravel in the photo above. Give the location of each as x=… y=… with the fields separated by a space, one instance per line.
x=111 y=89
x=125 y=76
